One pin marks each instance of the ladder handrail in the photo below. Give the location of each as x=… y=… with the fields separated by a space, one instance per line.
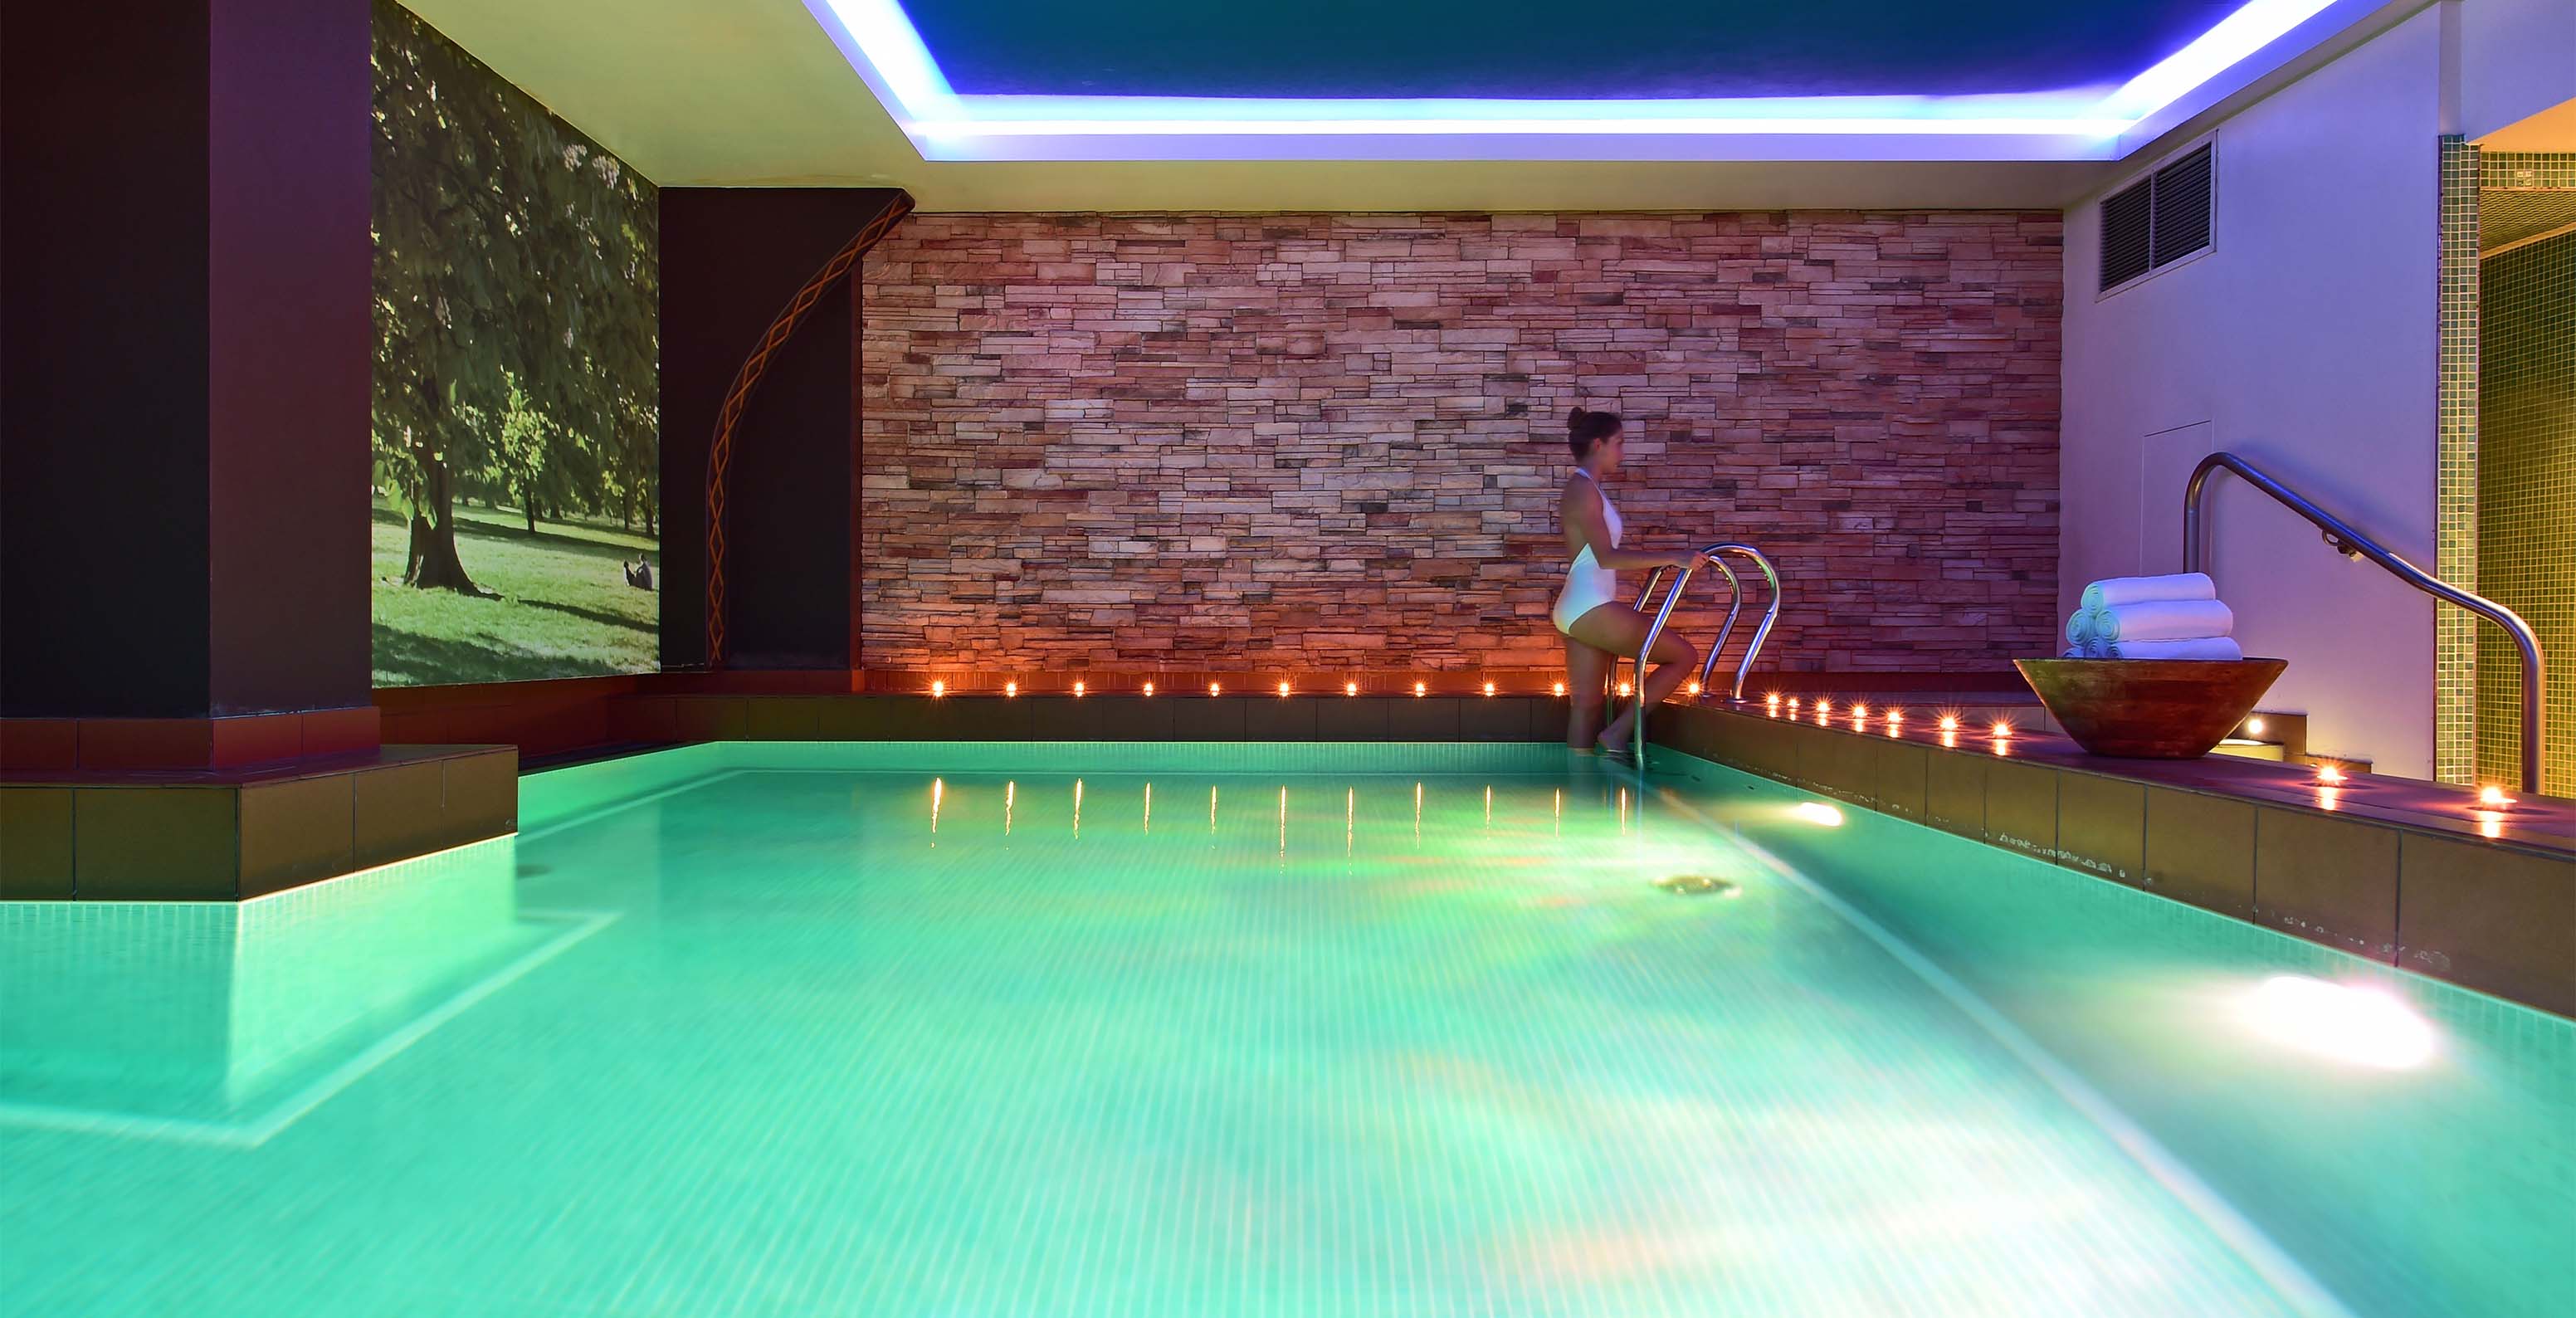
x=1672 y=597
x=1715 y=554
x=1761 y=632
x=2353 y=544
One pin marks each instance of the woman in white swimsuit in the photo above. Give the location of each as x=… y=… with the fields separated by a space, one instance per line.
x=1598 y=628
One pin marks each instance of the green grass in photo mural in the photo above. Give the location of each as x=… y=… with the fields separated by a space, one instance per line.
x=517 y=500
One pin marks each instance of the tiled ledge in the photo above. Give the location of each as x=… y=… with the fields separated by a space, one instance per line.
x=2400 y=872
x=230 y=835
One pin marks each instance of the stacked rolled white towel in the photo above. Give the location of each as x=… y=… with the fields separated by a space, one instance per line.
x=2169 y=617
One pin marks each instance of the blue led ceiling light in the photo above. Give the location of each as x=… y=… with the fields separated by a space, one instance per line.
x=886 y=48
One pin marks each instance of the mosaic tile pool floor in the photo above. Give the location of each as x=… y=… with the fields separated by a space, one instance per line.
x=1072 y=1030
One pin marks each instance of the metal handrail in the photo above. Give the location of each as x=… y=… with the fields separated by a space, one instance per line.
x=2353 y=544
x=1735 y=605
x=1761 y=633
x=1637 y=730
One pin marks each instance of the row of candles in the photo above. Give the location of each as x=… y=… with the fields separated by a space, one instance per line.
x=2491 y=801
x=2330 y=779
x=939 y=687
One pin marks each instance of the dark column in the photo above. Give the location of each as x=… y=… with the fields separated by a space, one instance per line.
x=185 y=345
x=731 y=259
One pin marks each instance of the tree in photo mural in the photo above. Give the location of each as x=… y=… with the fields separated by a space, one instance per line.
x=516 y=285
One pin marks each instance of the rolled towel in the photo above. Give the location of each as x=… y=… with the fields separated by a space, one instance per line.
x=2164 y=620
x=2132 y=590
x=2222 y=648
x=2079 y=627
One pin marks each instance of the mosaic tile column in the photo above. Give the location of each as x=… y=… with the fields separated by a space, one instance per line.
x=2455 y=673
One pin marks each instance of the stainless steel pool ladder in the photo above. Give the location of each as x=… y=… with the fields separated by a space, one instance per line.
x=1717 y=555
x=2344 y=540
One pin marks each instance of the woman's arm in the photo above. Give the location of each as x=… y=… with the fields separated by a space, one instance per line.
x=1584 y=514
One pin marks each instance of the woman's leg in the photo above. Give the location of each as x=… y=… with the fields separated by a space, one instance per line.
x=1622 y=630
x=1587 y=672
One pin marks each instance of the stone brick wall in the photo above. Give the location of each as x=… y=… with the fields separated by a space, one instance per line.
x=1321 y=442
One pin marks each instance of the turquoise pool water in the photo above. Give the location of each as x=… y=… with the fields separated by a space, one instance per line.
x=1144 y=1030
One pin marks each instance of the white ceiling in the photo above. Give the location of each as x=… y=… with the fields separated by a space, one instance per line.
x=756 y=93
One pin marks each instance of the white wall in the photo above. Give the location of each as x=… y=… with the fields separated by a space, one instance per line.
x=2304 y=341
x=2517 y=58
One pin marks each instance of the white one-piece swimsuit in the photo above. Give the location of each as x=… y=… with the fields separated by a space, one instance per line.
x=1588 y=585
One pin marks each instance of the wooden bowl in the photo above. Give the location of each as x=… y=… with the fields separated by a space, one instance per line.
x=2149 y=709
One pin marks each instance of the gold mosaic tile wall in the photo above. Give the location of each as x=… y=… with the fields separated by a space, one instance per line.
x=2526 y=495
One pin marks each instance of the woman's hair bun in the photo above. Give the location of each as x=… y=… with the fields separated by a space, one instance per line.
x=1584 y=429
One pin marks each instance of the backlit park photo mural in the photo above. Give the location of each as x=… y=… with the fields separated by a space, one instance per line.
x=517 y=423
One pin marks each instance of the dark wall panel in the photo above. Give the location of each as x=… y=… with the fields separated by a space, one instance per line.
x=183 y=358
x=291 y=343
x=731 y=259
x=103 y=361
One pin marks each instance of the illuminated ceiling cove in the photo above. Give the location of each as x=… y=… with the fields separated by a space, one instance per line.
x=1742 y=80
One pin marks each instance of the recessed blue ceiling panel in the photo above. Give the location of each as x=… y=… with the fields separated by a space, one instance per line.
x=1558 y=49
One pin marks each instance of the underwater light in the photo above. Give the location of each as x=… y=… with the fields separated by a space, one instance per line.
x=1624 y=689
x=1350 y=688
x=1420 y=687
x=1149 y=688
x=1010 y=688
x=938 y=688
x=1949 y=723
x=2492 y=797
x=2329 y=776
x=2354 y=1023
x=1283 y=688
x=1817 y=813
x=1489 y=688
x=1215 y=688
x=1694 y=686
x=2001 y=729
x=1560 y=688
x=1077 y=688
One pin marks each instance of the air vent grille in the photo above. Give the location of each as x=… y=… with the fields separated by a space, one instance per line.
x=2127 y=218
x=2182 y=207
x=2158 y=220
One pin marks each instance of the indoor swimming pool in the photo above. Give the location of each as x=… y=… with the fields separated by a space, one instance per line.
x=1196 y=1029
